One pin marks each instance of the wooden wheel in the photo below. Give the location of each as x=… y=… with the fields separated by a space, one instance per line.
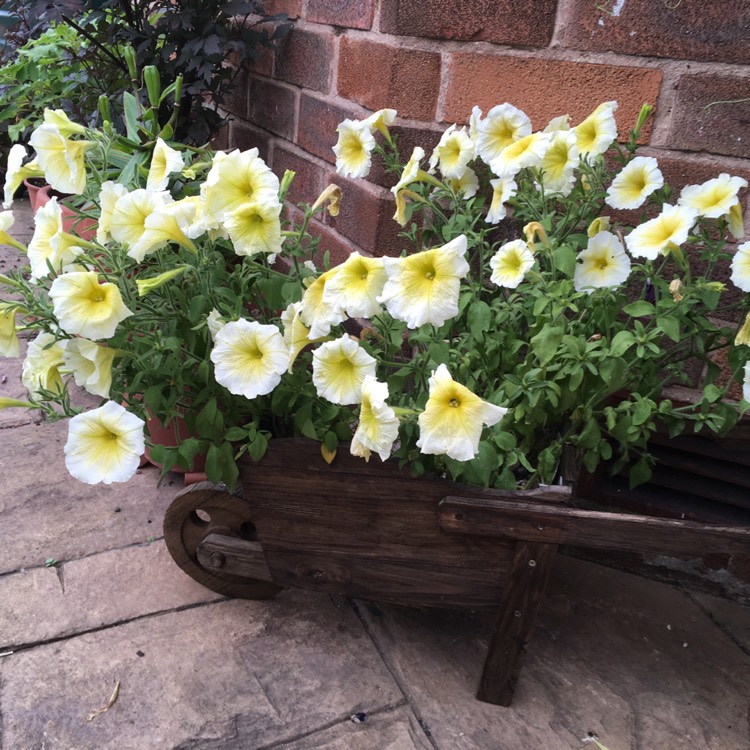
x=200 y=510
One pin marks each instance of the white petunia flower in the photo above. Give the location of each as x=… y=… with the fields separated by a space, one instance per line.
x=214 y=323
x=316 y=312
x=503 y=125
x=635 y=183
x=255 y=227
x=170 y=222
x=453 y=153
x=249 y=357
x=9 y=344
x=424 y=287
x=127 y=222
x=714 y=198
x=603 y=264
x=62 y=160
x=511 y=263
x=525 y=152
x=234 y=179
x=741 y=267
x=165 y=161
x=84 y=307
x=356 y=285
x=339 y=369
x=49 y=243
x=41 y=367
x=670 y=227
x=466 y=185
x=91 y=365
x=597 y=132
x=16 y=172
x=411 y=170
x=452 y=421
x=559 y=163
x=503 y=189
x=378 y=424
x=354 y=148
x=381 y=121
x=296 y=333
x=110 y=193
x=104 y=445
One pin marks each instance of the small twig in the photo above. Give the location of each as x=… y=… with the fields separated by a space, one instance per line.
x=111 y=702
x=725 y=101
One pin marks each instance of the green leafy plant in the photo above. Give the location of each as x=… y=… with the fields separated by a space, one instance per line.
x=537 y=316
x=206 y=43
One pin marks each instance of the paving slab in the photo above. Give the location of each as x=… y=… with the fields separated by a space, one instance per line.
x=41 y=604
x=227 y=675
x=389 y=730
x=733 y=620
x=633 y=661
x=12 y=387
x=44 y=512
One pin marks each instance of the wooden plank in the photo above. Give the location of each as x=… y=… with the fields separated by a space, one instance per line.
x=689 y=465
x=229 y=554
x=559 y=525
x=532 y=564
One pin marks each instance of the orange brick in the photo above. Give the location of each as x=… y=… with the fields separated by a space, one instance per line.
x=547 y=88
x=353 y=14
x=304 y=58
x=377 y=75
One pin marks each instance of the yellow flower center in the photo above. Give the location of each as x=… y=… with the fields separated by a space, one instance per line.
x=455 y=403
x=601 y=263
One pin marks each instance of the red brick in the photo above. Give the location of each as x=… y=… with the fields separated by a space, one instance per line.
x=517 y=22
x=272 y=107
x=547 y=88
x=338 y=247
x=293 y=8
x=244 y=137
x=220 y=140
x=406 y=139
x=318 y=120
x=366 y=217
x=310 y=177
x=353 y=14
x=381 y=75
x=236 y=99
x=262 y=65
x=304 y=58
x=691 y=29
x=719 y=128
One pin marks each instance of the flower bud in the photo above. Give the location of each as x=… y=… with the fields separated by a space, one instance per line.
x=332 y=194
x=534 y=230
x=600 y=224
x=153 y=84
x=743 y=335
x=675 y=289
x=148 y=285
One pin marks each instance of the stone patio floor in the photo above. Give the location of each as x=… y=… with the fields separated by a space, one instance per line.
x=638 y=664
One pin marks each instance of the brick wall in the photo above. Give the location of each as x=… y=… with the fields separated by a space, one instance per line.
x=432 y=60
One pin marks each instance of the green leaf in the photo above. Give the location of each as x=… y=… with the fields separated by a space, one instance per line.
x=621 y=342
x=233 y=434
x=590 y=435
x=643 y=411
x=639 y=309
x=130 y=108
x=506 y=441
x=711 y=393
x=545 y=343
x=613 y=371
x=565 y=260
x=257 y=448
x=640 y=472
x=308 y=430
x=331 y=441
x=479 y=317
x=671 y=327
x=210 y=422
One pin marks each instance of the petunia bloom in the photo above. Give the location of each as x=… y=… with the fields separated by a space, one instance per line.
x=381 y=121
x=9 y=345
x=503 y=189
x=356 y=285
x=339 y=369
x=597 y=132
x=63 y=123
x=452 y=421
x=466 y=185
x=453 y=153
x=602 y=264
x=104 y=445
x=354 y=148
x=91 y=365
x=377 y=429
x=296 y=333
x=169 y=222
x=511 y=263
x=741 y=267
x=255 y=227
x=249 y=357
x=559 y=163
x=50 y=245
x=164 y=161
x=637 y=180
x=670 y=227
x=237 y=178
x=318 y=313
x=525 y=152
x=714 y=197
x=504 y=124
x=41 y=366
x=16 y=172
x=424 y=287
x=109 y=194
x=62 y=160
x=127 y=222
x=84 y=307
x=743 y=335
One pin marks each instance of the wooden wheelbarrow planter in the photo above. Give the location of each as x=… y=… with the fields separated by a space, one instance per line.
x=371 y=530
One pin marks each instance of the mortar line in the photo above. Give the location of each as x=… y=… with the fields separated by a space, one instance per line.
x=728 y=632
x=400 y=683
x=330 y=725
x=57 y=639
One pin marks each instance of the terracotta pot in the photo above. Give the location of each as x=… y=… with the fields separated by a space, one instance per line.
x=72 y=223
x=33 y=190
x=171 y=437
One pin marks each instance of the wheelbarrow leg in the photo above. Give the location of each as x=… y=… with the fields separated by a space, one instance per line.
x=532 y=563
